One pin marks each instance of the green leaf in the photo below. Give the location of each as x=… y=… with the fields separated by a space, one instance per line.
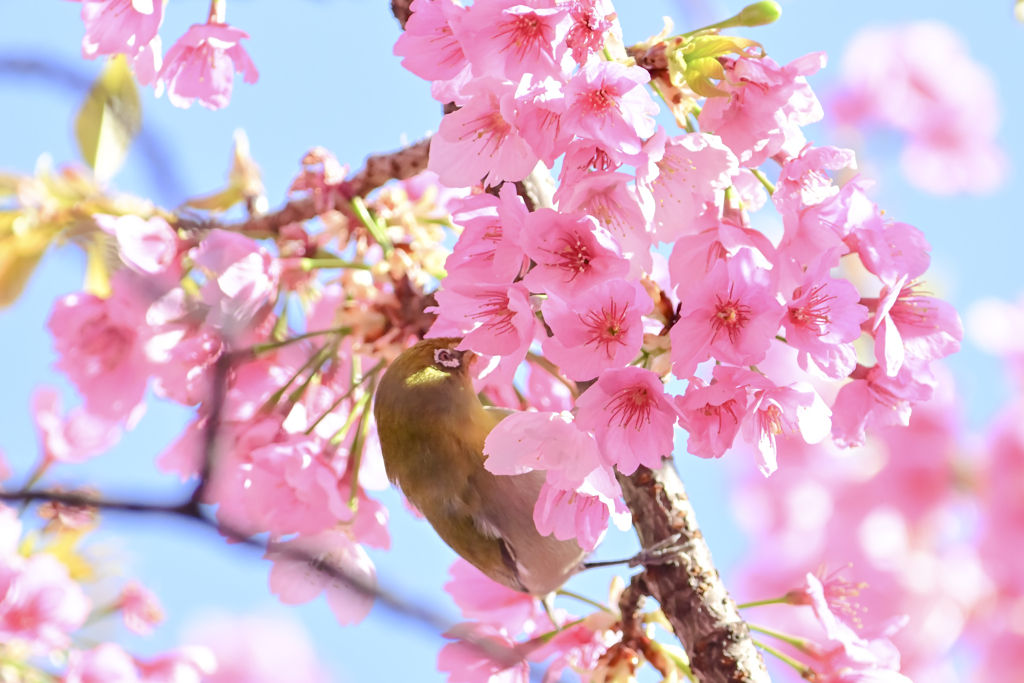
x=109 y=119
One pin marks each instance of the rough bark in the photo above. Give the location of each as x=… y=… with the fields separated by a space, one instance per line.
x=691 y=592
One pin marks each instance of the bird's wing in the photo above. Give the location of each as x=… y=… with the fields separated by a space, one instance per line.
x=476 y=541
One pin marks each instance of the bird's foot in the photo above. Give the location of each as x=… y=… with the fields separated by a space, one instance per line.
x=662 y=552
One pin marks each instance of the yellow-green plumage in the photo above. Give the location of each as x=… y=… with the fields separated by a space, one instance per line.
x=432 y=429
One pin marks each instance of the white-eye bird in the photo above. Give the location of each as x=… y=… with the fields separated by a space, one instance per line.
x=432 y=428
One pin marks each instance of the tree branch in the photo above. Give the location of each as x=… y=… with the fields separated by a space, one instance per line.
x=379 y=169
x=692 y=595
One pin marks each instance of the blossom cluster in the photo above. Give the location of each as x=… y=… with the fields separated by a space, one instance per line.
x=897 y=78
x=584 y=283
x=200 y=65
x=47 y=608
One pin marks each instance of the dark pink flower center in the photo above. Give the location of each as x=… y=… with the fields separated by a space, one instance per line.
x=105 y=342
x=600 y=102
x=450 y=47
x=606 y=326
x=813 y=315
x=490 y=125
x=719 y=411
x=525 y=32
x=494 y=313
x=913 y=307
x=573 y=255
x=770 y=420
x=731 y=316
x=631 y=407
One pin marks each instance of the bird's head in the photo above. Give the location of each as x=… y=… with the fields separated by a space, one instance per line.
x=429 y=376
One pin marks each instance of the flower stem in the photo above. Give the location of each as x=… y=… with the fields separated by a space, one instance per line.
x=309 y=264
x=355 y=385
x=798 y=643
x=759 y=174
x=758 y=603
x=802 y=668
x=257 y=349
x=357 y=448
x=581 y=598
x=370 y=223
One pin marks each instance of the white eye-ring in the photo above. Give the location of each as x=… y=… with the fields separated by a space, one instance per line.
x=446 y=358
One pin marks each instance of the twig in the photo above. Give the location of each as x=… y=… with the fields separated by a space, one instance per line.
x=379 y=169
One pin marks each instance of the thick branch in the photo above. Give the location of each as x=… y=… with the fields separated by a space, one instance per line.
x=691 y=592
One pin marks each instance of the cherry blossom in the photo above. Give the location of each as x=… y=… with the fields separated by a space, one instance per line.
x=488 y=250
x=527 y=441
x=803 y=181
x=106 y=663
x=481 y=598
x=296 y=580
x=823 y=319
x=605 y=101
x=149 y=247
x=592 y=19
x=631 y=416
x=202 y=64
x=99 y=343
x=73 y=438
x=126 y=27
x=511 y=38
x=481 y=141
x=712 y=414
x=908 y=322
x=428 y=45
x=140 y=608
x=732 y=315
x=874 y=399
x=598 y=330
x=492 y=661
x=692 y=171
x=39 y=603
x=571 y=252
x=766 y=106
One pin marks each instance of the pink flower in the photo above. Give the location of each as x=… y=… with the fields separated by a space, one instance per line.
x=481 y=598
x=572 y=254
x=481 y=654
x=618 y=208
x=202 y=63
x=606 y=102
x=539 y=111
x=581 y=512
x=488 y=249
x=241 y=283
x=106 y=663
x=597 y=330
x=428 y=45
x=774 y=410
x=481 y=142
x=546 y=392
x=72 y=439
x=511 y=38
x=897 y=77
x=803 y=181
x=874 y=399
x=127 y=27
x=891 y=250
x=766 y=106
x=731 y=315
x=39 y=603
x=712 y=414
x=498 y=320
x=592 y=19
x=336 y=565
x=815 y=229
x=148 y=247
x=140 y=608
x=694 y=256
x=823 y=319
x=251 y=649
x=99 y=343
x=692 y=170
x=526 y=441
x=631 y=417
x=908 y=322
x=183 y=361
x=284 y=487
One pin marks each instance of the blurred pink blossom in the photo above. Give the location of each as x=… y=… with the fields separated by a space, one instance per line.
x=202 y=64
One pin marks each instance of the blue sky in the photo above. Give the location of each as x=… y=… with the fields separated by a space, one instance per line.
x=327 y=77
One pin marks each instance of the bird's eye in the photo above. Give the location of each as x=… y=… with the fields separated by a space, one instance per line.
x=446 y=358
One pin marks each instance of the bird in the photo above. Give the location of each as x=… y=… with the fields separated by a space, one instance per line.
x=432 y=426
